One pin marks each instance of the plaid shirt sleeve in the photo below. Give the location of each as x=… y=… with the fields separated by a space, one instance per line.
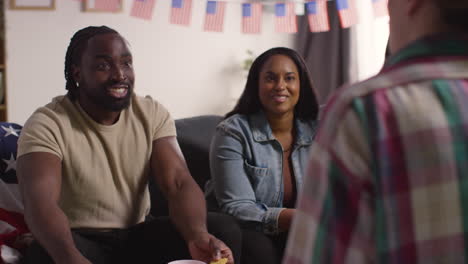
x=334 y=220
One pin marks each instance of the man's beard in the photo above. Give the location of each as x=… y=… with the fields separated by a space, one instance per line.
x=109 y=103
x=114 y=104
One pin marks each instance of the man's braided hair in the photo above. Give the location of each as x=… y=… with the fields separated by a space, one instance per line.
x=74 y=52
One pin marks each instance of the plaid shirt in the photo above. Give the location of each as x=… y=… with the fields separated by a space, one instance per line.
x=388 y=176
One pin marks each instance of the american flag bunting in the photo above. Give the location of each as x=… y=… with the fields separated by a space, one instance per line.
x=380 y=8
x=347 y=12
x=214 y=17
x=181 y=11
x=251 y=18
x=285 y=18
x=108 y=5
x=143 y=9
x=317 y=14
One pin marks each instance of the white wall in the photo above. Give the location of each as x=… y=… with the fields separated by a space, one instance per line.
x=190 y=71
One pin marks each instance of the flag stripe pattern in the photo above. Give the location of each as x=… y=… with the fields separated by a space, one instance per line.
x=380 y=8
x=317 y=13
x=251 y=18
x=12 y=224
x=285 y=18
x=107 y=5
x=214 y=17
x=143 y=9
x=181 y=11
x=347 y=13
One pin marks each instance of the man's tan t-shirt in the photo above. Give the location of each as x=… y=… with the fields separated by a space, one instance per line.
x=104 y=168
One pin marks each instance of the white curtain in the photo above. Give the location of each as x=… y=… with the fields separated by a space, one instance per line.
x=368 y=42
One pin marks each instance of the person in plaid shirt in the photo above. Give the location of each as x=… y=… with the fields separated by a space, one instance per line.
x=388 y=176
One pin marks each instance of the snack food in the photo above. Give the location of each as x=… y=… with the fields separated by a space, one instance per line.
x=220 y=261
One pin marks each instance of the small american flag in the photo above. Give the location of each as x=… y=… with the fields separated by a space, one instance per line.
x=251 y=17
x=143 y=9
x=181 y=12
x=107 y=5
x=214 y=17
x=285 y=18
x=347 y=12
x=317 y=13
x=380 y=8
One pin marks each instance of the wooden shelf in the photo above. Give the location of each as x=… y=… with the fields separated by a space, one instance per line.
x=2 y=106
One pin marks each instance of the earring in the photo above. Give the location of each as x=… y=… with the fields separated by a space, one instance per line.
x=77 y=84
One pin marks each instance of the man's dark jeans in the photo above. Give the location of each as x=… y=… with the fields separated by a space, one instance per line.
x=154 y=241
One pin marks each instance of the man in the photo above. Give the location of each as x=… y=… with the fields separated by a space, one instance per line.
x=387 y=182
x=84 y=162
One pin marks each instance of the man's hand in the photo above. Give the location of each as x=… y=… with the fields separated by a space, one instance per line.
x=207 y=248
x=187 y=208
x=77 y=259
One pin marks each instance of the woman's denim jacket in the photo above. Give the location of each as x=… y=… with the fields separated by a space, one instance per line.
x=246 y=168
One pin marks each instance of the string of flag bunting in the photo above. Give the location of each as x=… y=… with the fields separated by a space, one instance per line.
x=284 y=12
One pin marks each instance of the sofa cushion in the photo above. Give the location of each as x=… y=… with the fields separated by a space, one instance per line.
x=194 y=136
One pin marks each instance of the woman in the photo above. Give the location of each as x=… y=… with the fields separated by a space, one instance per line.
x=260 y=151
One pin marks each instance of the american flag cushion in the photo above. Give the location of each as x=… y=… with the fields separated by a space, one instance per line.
x=12 y=223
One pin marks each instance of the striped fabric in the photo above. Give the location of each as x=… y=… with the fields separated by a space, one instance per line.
x=12 y=224
x=143 y=9
x=388 y=177
x=181 y=11
x=285 y=18
x=251 y=18
x=214 y=16
x=317 y=14
x=347 y=12
x=107 y=5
